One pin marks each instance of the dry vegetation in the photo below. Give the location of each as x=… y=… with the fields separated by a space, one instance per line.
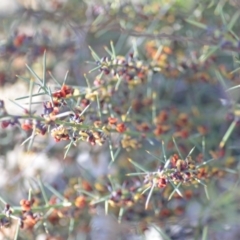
x=120 y=116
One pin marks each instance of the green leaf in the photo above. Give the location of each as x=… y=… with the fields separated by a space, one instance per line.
x=55 y=192
x=233 y=20
x=161 y=232
x=44 y=69
x=227 y=134
x=150 y=194
x=94 y=55
x=205 y=56
x=35 y=75
x=43 y=191
x=197 y=24
x=113 y=50
x=176 y=189
x=176 y=146
x=155 y=157
x=65 y=78
x=205 y=233
x=137 y=165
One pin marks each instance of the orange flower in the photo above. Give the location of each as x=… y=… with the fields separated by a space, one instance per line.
x=26 y=204
x=19 y=40
x=60 y=133
x=29 y=220
x=184 y=133
x=161 y=129
x=27 y=125
x=5 y=124
x=80 y=202
x=167 y=50
x=54 y=217
x=179 y=210
x=64 y=92
x=162 y=117
x=86 y=186
x=165 y=212
x=181 y=165
x=202 y=173
x=174 y=160
x=162 y=182
x=121 y=127
x=143 y=127
x=112 y=120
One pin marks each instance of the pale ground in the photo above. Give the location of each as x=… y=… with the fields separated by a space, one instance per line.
x=8 y=7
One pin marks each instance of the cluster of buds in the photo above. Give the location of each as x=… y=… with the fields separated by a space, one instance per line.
x=92 y=136
x=28 y=218
x=27 y=124
x=38 y=126
x=21 y=39
x=119 y=127
x=195 y=65
x=129 y=143
x=177 y=170
x=11 y=122
x=81 y=202
x=141 y=103
x=180 y=123
x=5 y=221
x=60 y=133
x=57 y=110
x=58 y=213
x=51 y=109
x=186 y=171
x=177 y=67
x=125 y=195
x=65 y=92
x=162 y=58
x=162 y=126
x=121 y=198
x=130 y=69
x=55 y=214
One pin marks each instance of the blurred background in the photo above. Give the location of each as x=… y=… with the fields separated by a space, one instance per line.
x=197 y=52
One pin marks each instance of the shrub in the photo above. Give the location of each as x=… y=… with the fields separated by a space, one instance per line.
x=152 y=105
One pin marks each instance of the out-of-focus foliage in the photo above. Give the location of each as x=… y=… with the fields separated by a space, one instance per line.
x=121 y=107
